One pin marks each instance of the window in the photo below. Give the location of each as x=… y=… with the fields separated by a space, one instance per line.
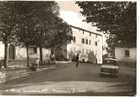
x=127 y=54
x=90 y=34
x=86 y=41
x=83 y=32
x=74 y=39
x=89 y=42
x=83 y=40
x=96 y=43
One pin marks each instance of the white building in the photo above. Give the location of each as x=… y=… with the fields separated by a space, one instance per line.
x=125 y=54
x=19 y=53
x=87 y=43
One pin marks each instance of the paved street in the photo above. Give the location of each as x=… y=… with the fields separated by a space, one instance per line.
x=66 y=79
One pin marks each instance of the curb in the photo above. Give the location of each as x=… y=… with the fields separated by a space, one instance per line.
x=63 y=61
x=23 y=74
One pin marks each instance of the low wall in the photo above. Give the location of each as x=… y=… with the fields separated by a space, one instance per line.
x=13 y=74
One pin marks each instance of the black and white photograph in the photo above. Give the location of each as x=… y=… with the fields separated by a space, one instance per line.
x=68 y=48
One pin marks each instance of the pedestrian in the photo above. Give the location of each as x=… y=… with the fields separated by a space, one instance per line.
x=77 y=60
x=47 y=59
x=37 y=62
x=52 y=57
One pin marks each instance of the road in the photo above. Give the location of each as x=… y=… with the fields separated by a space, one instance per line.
x=66 y=79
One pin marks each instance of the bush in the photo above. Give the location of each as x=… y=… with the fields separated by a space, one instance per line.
x=33 y=67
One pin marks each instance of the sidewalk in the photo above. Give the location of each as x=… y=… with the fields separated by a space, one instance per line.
x=16 y=71
x=63 y=61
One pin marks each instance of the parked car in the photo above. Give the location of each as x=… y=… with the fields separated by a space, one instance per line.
x=110 y=66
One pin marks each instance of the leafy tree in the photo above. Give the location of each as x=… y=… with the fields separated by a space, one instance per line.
x=7 y=26
x=45 y=12
x=60 y=34
x=40 y=25
x=26 y=35
x=118 y=19
x=34 y=21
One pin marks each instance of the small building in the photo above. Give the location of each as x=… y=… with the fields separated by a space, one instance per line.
x=126 y=54
x=19 y=53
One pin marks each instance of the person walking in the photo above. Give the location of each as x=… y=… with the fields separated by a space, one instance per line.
x=77 y=60
x=37 y=62
x=52 y=58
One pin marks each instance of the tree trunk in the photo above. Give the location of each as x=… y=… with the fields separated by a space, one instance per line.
x=41 y=58
x=27 y=56
x=5 y=54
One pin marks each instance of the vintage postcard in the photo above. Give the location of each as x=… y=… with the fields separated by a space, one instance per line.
x=68 y=48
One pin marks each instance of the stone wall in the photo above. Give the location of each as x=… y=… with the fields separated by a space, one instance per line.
x=13 y=74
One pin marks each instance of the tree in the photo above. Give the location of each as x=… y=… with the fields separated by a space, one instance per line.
x=7 y=26
x=118 y=19
x=60 y=34
x=31 y=24
x=34 y=20
x=40 y=25
x=26 y=35
x=45 y=12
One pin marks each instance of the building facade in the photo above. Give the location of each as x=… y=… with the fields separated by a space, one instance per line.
x=88 y=44
x=19 y=53
x=125 y=54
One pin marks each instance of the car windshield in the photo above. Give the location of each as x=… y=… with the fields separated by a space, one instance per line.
x=110 y=62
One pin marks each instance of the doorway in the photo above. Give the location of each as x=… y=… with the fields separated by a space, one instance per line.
x=11 y=52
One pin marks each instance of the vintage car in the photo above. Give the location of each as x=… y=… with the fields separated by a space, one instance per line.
x=109 y=67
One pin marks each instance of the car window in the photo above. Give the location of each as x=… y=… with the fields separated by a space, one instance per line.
x=110 y=62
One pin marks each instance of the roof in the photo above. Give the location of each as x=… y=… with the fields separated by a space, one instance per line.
x=85 y=30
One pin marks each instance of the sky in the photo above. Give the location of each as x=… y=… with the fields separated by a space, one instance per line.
x=70 y=12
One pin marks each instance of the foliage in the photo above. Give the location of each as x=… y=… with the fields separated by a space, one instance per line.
x=60 y=34
x=118 y=19
x=32 y=24
x=34 y=20
x=7 y=27
x=44 y=27
x=7 y=22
